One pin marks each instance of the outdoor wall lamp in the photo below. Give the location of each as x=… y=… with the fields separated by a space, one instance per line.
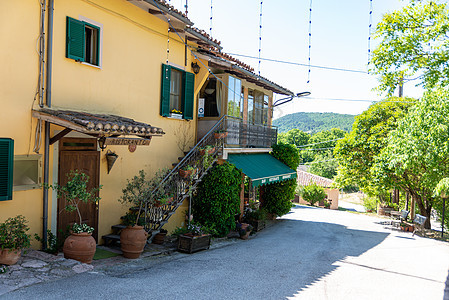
x=101 y=143
x=288 y=99
x=195 y=68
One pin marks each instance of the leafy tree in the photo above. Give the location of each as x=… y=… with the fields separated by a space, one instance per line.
x=414 y=43
x=218 y=199
x=294 y=137
x=355 y=153
x=417 y=155
x=324 y=165
x=276 y=198
x=313 y=193
x=314 y=122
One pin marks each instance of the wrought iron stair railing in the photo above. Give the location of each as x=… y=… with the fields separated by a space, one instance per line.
x=176 y=188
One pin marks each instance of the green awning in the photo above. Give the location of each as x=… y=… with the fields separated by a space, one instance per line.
x=262 y=168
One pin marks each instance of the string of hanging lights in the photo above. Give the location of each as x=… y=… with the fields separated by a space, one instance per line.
x=260 y=34
x=310 y=38
x=369 y=30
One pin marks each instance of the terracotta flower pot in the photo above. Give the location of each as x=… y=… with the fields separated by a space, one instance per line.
x=80 y=247
x=185 y=173
x=210 y=151
x=220 y=135
x=9 y=256
x=132 y=241
x=159 y=238
x=247 y=232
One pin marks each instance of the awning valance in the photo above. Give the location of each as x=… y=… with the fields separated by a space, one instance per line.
x=262 y=168
x=100 y=125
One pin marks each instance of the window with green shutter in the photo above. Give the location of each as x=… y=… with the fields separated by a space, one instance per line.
x=83 y=41
x=6 y=168
x=177 y=92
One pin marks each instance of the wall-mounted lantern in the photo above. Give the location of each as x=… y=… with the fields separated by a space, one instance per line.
x=195 y=68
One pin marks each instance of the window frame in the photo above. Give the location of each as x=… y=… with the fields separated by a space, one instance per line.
x=187 y=92
x=86 y=22
x=7 y=167
x=31 y=157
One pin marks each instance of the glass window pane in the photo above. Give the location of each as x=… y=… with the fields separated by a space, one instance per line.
x=175 y=90
x=250 y=106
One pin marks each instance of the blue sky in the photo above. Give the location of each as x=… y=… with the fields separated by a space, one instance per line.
x=339 y=39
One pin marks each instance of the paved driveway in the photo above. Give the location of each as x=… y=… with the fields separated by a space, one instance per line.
x=311 y=253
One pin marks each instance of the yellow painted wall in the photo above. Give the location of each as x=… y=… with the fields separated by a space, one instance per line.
x=18 y=77
x=128 y=83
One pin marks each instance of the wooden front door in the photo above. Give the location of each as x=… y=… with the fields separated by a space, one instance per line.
x=88 y=162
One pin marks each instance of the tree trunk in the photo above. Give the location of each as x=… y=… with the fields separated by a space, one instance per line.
x=425 y=211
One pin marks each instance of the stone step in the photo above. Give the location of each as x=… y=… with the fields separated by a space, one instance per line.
x=111 y=239
x=118 y=227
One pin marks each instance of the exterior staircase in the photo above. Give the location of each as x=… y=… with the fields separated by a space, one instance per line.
x=175 y=185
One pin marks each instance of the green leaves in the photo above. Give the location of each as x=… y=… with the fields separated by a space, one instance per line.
x=356 y=153
x=414 y=43
x=13 y=233
x=76 y=191
x=313 y=193
x=218 y=199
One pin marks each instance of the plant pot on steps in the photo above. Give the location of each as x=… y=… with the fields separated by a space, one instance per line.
x=159 y=238
x=133 y=240
x=80 y=247
x=9 y=256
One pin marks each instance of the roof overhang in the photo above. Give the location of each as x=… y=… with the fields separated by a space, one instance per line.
x=159 y=9
x=97 y=125
x=199 y=38
x=229 y=67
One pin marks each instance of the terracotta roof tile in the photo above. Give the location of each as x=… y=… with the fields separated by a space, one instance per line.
x=101 y=124
x=305 y=178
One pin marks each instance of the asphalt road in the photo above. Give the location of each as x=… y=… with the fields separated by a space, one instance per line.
x=311 y=253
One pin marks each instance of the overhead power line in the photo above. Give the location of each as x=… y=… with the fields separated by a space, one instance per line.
x=301 y=64
x=302 y=146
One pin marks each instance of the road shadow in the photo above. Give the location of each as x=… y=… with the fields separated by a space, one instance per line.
x=446 y=289
x=277 y=263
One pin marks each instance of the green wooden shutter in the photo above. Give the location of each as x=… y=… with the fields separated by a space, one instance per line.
x=187 y=96
x=6 y=168
x=165 y=91
x=75 y=39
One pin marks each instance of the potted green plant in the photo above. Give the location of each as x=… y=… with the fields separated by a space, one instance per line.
x=244 y=230
x=209 y=149
x=193 y=239
x=136 y=193
x=13 y=238
x=186 y=171
x=257 y=218
x=79 y=245
x=159 y=238
x=220 y=134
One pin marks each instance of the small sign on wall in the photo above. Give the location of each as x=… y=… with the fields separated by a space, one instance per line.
x=200 y=107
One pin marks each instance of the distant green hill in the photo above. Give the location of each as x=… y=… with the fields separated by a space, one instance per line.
x=314 y=122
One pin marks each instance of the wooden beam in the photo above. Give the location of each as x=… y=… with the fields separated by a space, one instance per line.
x=59 y=136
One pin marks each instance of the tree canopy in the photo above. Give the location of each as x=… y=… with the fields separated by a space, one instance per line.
x=356 y=152
x=416 y=157
x=414 y=45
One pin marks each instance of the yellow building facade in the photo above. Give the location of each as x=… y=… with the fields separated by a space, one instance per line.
x=86 y=79
x=124 y=79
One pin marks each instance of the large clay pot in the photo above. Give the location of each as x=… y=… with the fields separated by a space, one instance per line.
x=132 y=241
x=80 y=247
x=9 y=256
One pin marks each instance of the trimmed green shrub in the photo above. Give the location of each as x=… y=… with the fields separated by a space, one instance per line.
x=217 y=200
x=313 y=193
x=276 y=198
